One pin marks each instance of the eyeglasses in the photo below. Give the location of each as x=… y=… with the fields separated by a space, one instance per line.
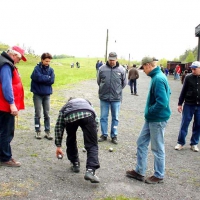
x=19 y=56
x=193 y=68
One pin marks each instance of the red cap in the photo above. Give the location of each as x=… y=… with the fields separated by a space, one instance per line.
x=19 y=50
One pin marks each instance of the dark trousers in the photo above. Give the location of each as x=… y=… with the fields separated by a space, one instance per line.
x=133 y=83
x=7 y=126
x=89 y=128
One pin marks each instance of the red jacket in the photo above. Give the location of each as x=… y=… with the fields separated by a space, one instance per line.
x=18 y=93
x=178 y=69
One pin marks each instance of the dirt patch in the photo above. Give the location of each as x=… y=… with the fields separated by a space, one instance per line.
x=43 y=176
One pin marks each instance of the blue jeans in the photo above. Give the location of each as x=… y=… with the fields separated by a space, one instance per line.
x=7 y=126
x=154 y=132
x=188 y=112
x=115 y=107
x=44 y=102
x=133 y=83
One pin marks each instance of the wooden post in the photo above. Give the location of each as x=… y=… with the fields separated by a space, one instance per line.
x=106 y=46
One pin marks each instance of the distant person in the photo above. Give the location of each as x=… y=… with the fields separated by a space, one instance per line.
x=77 y=64
x=111 y=80
x=78 y=112
x=133 y=75
x=72 y=65
x=42 y=79
x=157 y=113
x=166 y=72
x=11 y=101
x=97 y=66
x=177 y=72
x=162 y=68
x=190 y=96
x=183 y=76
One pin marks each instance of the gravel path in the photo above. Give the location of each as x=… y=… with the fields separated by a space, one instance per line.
x=43 y=176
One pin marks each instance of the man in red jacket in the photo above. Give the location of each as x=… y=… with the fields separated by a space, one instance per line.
x=11 y=101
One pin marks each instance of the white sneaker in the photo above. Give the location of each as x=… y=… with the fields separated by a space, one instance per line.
x=178 y=147
x=194 y=148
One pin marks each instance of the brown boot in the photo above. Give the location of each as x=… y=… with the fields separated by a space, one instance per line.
x=11 y=163
x=153 y=180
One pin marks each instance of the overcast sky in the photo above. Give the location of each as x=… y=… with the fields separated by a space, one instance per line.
x=160 y=28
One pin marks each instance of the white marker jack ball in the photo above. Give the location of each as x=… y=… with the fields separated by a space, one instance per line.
x=60 y=156
x=111 y=149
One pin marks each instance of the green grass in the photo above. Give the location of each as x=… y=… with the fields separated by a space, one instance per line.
x=64 y=74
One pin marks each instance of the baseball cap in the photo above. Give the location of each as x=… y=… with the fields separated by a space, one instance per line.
x=195 y=64
x=148 y=60
x=112 y=56
x=19 y=50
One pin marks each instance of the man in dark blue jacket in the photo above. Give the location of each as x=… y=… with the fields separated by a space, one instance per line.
x=41 y=85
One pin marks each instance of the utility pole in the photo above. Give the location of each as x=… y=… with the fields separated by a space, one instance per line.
x=106 y=46
x=129 y=59
x=197 y=34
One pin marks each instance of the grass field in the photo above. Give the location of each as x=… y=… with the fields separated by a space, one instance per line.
x=64 y=74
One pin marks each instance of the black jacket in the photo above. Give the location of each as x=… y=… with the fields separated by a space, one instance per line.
x=190 y=93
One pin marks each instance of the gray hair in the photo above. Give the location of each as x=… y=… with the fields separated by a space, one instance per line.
x=13 y=52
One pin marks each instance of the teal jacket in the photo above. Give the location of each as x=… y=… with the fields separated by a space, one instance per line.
x=157 y=106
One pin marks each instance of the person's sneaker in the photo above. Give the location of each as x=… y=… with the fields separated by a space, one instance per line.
x=38 y=135
x=153 y=180
x=48 y=136
x=90 y=176
x=102 y=138
x=178 y=147
x=135 y=175
x=75 y=167
x=136 y=94
x=194 y=148
x=10 y=163
x=114 y=140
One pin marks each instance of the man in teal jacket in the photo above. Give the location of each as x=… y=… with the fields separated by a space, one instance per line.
x=157 y=112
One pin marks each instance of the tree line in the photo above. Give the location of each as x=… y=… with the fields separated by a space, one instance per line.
x=189 y=55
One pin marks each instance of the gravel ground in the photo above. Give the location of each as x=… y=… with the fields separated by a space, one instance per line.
x=43 y=176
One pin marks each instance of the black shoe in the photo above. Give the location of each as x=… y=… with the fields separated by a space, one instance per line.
x=102 y=138
x=135 y=175
x=90 y=176
x=75 y=167
x=114 y=140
